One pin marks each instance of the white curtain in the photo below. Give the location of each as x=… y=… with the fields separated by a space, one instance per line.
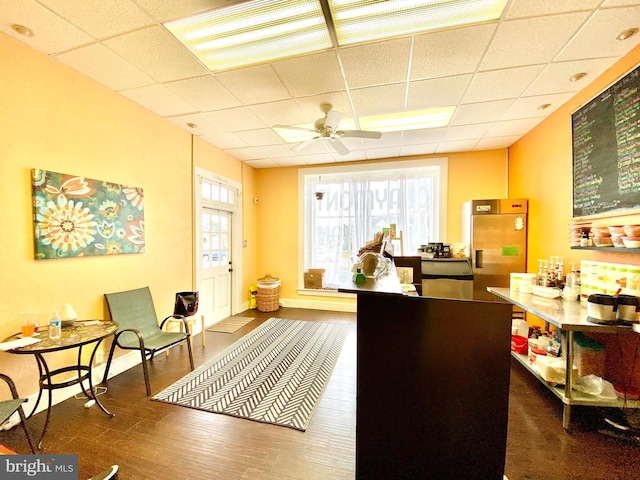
x=356 y=205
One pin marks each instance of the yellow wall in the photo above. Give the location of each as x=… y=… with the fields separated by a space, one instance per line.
x=55 y=119
x=471 y=175
x=540 y=168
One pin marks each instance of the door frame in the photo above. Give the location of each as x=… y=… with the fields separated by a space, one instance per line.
x=236 y=234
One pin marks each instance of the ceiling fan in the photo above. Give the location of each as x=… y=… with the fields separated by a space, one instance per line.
x=326 y=128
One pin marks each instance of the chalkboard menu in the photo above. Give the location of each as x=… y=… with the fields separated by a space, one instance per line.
x=606 y=151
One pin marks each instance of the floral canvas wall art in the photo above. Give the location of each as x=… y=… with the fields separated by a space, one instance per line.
x=76 y=216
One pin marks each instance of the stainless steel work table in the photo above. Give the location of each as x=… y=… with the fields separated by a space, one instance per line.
x=570 y=317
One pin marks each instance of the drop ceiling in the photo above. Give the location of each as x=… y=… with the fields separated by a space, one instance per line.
x=497 y=74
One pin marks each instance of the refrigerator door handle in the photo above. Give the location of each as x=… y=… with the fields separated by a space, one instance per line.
x=479 y=258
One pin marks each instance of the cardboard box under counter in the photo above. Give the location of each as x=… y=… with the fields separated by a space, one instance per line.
x=314 y=278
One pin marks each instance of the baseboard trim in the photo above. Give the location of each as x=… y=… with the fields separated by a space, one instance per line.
x=318 y=304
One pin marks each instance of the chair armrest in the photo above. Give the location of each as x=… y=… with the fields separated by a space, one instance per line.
x=12 y=386
x=132 y=330
x=178 y=317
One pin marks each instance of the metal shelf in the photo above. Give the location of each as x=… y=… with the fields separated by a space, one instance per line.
x=577 y=397
x=609 y=249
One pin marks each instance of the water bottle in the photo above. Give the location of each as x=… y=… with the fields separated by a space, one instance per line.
x=55 y=327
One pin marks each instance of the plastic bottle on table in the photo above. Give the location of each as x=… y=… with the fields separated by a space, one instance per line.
x=55 y=326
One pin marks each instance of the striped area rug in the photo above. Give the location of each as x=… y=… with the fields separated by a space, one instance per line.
x=275 y=374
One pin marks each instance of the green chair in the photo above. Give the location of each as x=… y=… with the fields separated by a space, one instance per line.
x=9 y=407
x=138 y=328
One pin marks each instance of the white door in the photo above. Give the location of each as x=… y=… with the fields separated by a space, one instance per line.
x=217 y=247
x=216 y=261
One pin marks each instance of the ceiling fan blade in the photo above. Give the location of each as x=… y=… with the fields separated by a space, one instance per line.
x=359 y=133
x=305 y=143
x=339 y=146
x=333 y=119
x=292 y=127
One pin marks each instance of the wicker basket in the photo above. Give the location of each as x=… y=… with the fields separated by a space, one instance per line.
x=268 y=298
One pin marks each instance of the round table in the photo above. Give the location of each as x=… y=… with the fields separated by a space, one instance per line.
x=78 y=335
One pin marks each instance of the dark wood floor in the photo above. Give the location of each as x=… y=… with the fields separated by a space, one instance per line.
x=153 y=440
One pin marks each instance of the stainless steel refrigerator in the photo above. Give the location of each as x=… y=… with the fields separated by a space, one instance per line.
x=496 y=234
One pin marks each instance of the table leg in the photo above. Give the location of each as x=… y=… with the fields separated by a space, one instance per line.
x=566 y=411
x=91 y=387
x=44 y=377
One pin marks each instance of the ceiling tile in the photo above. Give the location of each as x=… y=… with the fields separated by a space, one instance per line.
x=598 y=37
x=234 y=109
x=105 y=66
x=500 y=84
x=223 y=140
x=256 y=84
x=555 y=77
x=314 y=148
x=466 y=132
x=377 y=153
x=157 y=53
x=350 y=157
x=425 y=136
x=275 y=151
x=531 y=40
x=164 y=10
x=527 y=8
x=237 y=119
x=437 y=92
x=287 y=161
x=421 y=149
x=203 y=123
x=459 y=146
x=260 y=137
x=496 y=142
x=513 y=127
x=388 y=139
x=159 y=100
x=376 y=63
x=317 y=159
x=263 y=163
x=310 y=74
x=243 y=154
x=284 y=112
x=89 y=15
x=379 y=100
x=205 y=93
x=311 y=105
x=527 y=107
x=52 y=34
x=480 y=112
x=449 y=52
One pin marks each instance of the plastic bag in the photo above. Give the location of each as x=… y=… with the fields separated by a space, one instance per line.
x=594 y=385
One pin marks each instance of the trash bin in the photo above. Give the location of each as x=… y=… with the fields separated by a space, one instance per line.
x=268 y=298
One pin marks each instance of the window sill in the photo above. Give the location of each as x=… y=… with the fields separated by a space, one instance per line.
x=317 y=292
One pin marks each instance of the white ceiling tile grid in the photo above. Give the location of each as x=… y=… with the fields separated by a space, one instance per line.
x=496 y=74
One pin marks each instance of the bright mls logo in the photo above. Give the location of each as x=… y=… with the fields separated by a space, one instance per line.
x=50 y=467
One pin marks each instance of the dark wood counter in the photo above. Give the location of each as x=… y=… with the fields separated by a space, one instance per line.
x=432 y=385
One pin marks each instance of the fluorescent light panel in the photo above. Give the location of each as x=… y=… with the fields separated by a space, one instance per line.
x=393 y=122
x=253 y=32
x=363 y=20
